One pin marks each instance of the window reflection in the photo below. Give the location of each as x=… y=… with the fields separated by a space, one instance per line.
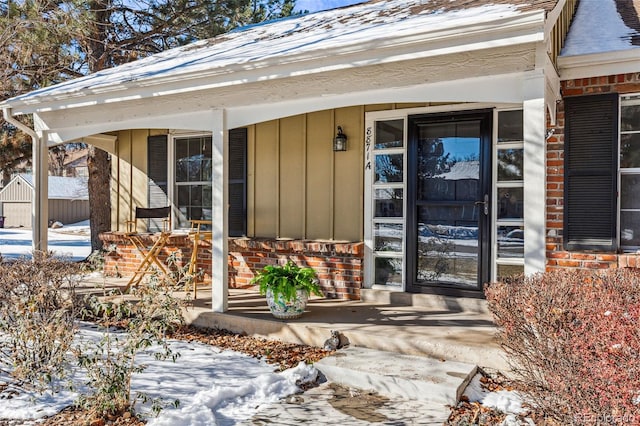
x=630 y=118
x=388 y=168
x=510 y=164
x=510 y=241
x=389 y=134
x=388 y=237
x=510 y=203
x=388 y=271
x=510 y=126
x=193 y=179
x=388 y=202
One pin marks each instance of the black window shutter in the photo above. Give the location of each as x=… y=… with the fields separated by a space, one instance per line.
x=157 y=176
x=237 y=182
x=590 y=158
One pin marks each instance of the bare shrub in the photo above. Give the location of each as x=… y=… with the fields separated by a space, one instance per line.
x=37 y=312
x=141 y=322
x=573 y=340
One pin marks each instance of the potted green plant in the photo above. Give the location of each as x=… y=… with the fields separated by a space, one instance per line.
x=287 y=288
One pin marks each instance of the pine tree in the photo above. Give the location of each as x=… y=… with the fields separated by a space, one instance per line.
x=52 y=41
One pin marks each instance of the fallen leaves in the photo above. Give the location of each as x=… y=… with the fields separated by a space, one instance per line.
x=285 y=355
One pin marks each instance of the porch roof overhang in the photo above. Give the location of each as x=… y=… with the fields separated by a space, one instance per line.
x=599 y=64
x=276 y=69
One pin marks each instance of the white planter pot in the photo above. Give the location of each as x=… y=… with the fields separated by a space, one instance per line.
x=287 y=310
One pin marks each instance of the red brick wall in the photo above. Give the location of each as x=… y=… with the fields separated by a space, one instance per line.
x=124 y=258
x=338 y=265
x=557 y=257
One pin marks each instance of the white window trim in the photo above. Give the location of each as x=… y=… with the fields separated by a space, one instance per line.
x=370 y=119
x=495 y=222
x=625 y=100
x=171 y=169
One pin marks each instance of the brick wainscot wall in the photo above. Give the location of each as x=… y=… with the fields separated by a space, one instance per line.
x=557 y=257
x=338 y=265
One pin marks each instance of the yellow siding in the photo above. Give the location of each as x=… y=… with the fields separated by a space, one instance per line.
x=139 y=171
x=348 y=177
x=292 y=183
x=251 y=179
x=320 y=131
x=128 y=174
x=266 y=199
x=297 y=187
x=123 y=174
x=302 y=188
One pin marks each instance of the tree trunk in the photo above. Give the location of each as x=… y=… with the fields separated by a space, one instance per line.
x=99 y=166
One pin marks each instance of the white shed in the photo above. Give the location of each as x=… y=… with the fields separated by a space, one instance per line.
x=68 y=200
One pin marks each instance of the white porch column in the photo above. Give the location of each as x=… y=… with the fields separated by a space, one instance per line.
x=40 y=200
x=534 y=175
x=219 y=274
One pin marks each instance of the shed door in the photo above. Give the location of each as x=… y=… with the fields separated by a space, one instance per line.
x=16 y=214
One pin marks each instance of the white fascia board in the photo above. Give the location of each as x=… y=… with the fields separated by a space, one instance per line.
x=599 y=64
x=196 y=121
x=492 y=90
x=522 y=29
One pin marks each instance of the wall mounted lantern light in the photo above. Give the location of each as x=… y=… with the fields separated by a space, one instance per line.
x=340 y=141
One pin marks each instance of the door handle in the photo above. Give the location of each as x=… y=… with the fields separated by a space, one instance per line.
x=485 y=203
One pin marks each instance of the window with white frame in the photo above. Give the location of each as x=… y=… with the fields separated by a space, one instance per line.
x=629 y=172
x=193 y=169
x=509 y=194
x=388 y=201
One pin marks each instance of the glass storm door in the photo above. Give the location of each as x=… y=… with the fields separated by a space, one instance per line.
x=448 y=206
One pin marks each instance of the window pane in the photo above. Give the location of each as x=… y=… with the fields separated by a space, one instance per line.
x=194 y=202
x=448 y=161
x=630 y=228
x=510 y=126
x=630 y=150
x=510 y=203
x=389 y=134
x=193 y=159
x=388 y=237
x=505 y=271
x=388 y=271
x=510 y=241
x=388 y=202
x=388 y=168
x=630 y=118
x=630 y=191
x=510 y=164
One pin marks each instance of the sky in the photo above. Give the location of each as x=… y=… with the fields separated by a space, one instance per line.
x=316 y=5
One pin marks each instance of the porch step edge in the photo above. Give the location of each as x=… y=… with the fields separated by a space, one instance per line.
x=488 y=354
x=394 y=375
x=433 y=301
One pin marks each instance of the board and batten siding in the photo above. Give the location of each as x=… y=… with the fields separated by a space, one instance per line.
x=297 y=186
x=16 y=190
x=68 y=211
x=129 y=184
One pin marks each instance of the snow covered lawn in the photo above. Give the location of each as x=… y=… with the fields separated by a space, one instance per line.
x=71 y=241
x=214 y=387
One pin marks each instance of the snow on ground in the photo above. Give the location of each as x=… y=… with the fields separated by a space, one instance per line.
x=71 y=241
x=508 y=402
x=214 y=387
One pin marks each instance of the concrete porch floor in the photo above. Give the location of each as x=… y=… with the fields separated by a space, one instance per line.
x=447 y=328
